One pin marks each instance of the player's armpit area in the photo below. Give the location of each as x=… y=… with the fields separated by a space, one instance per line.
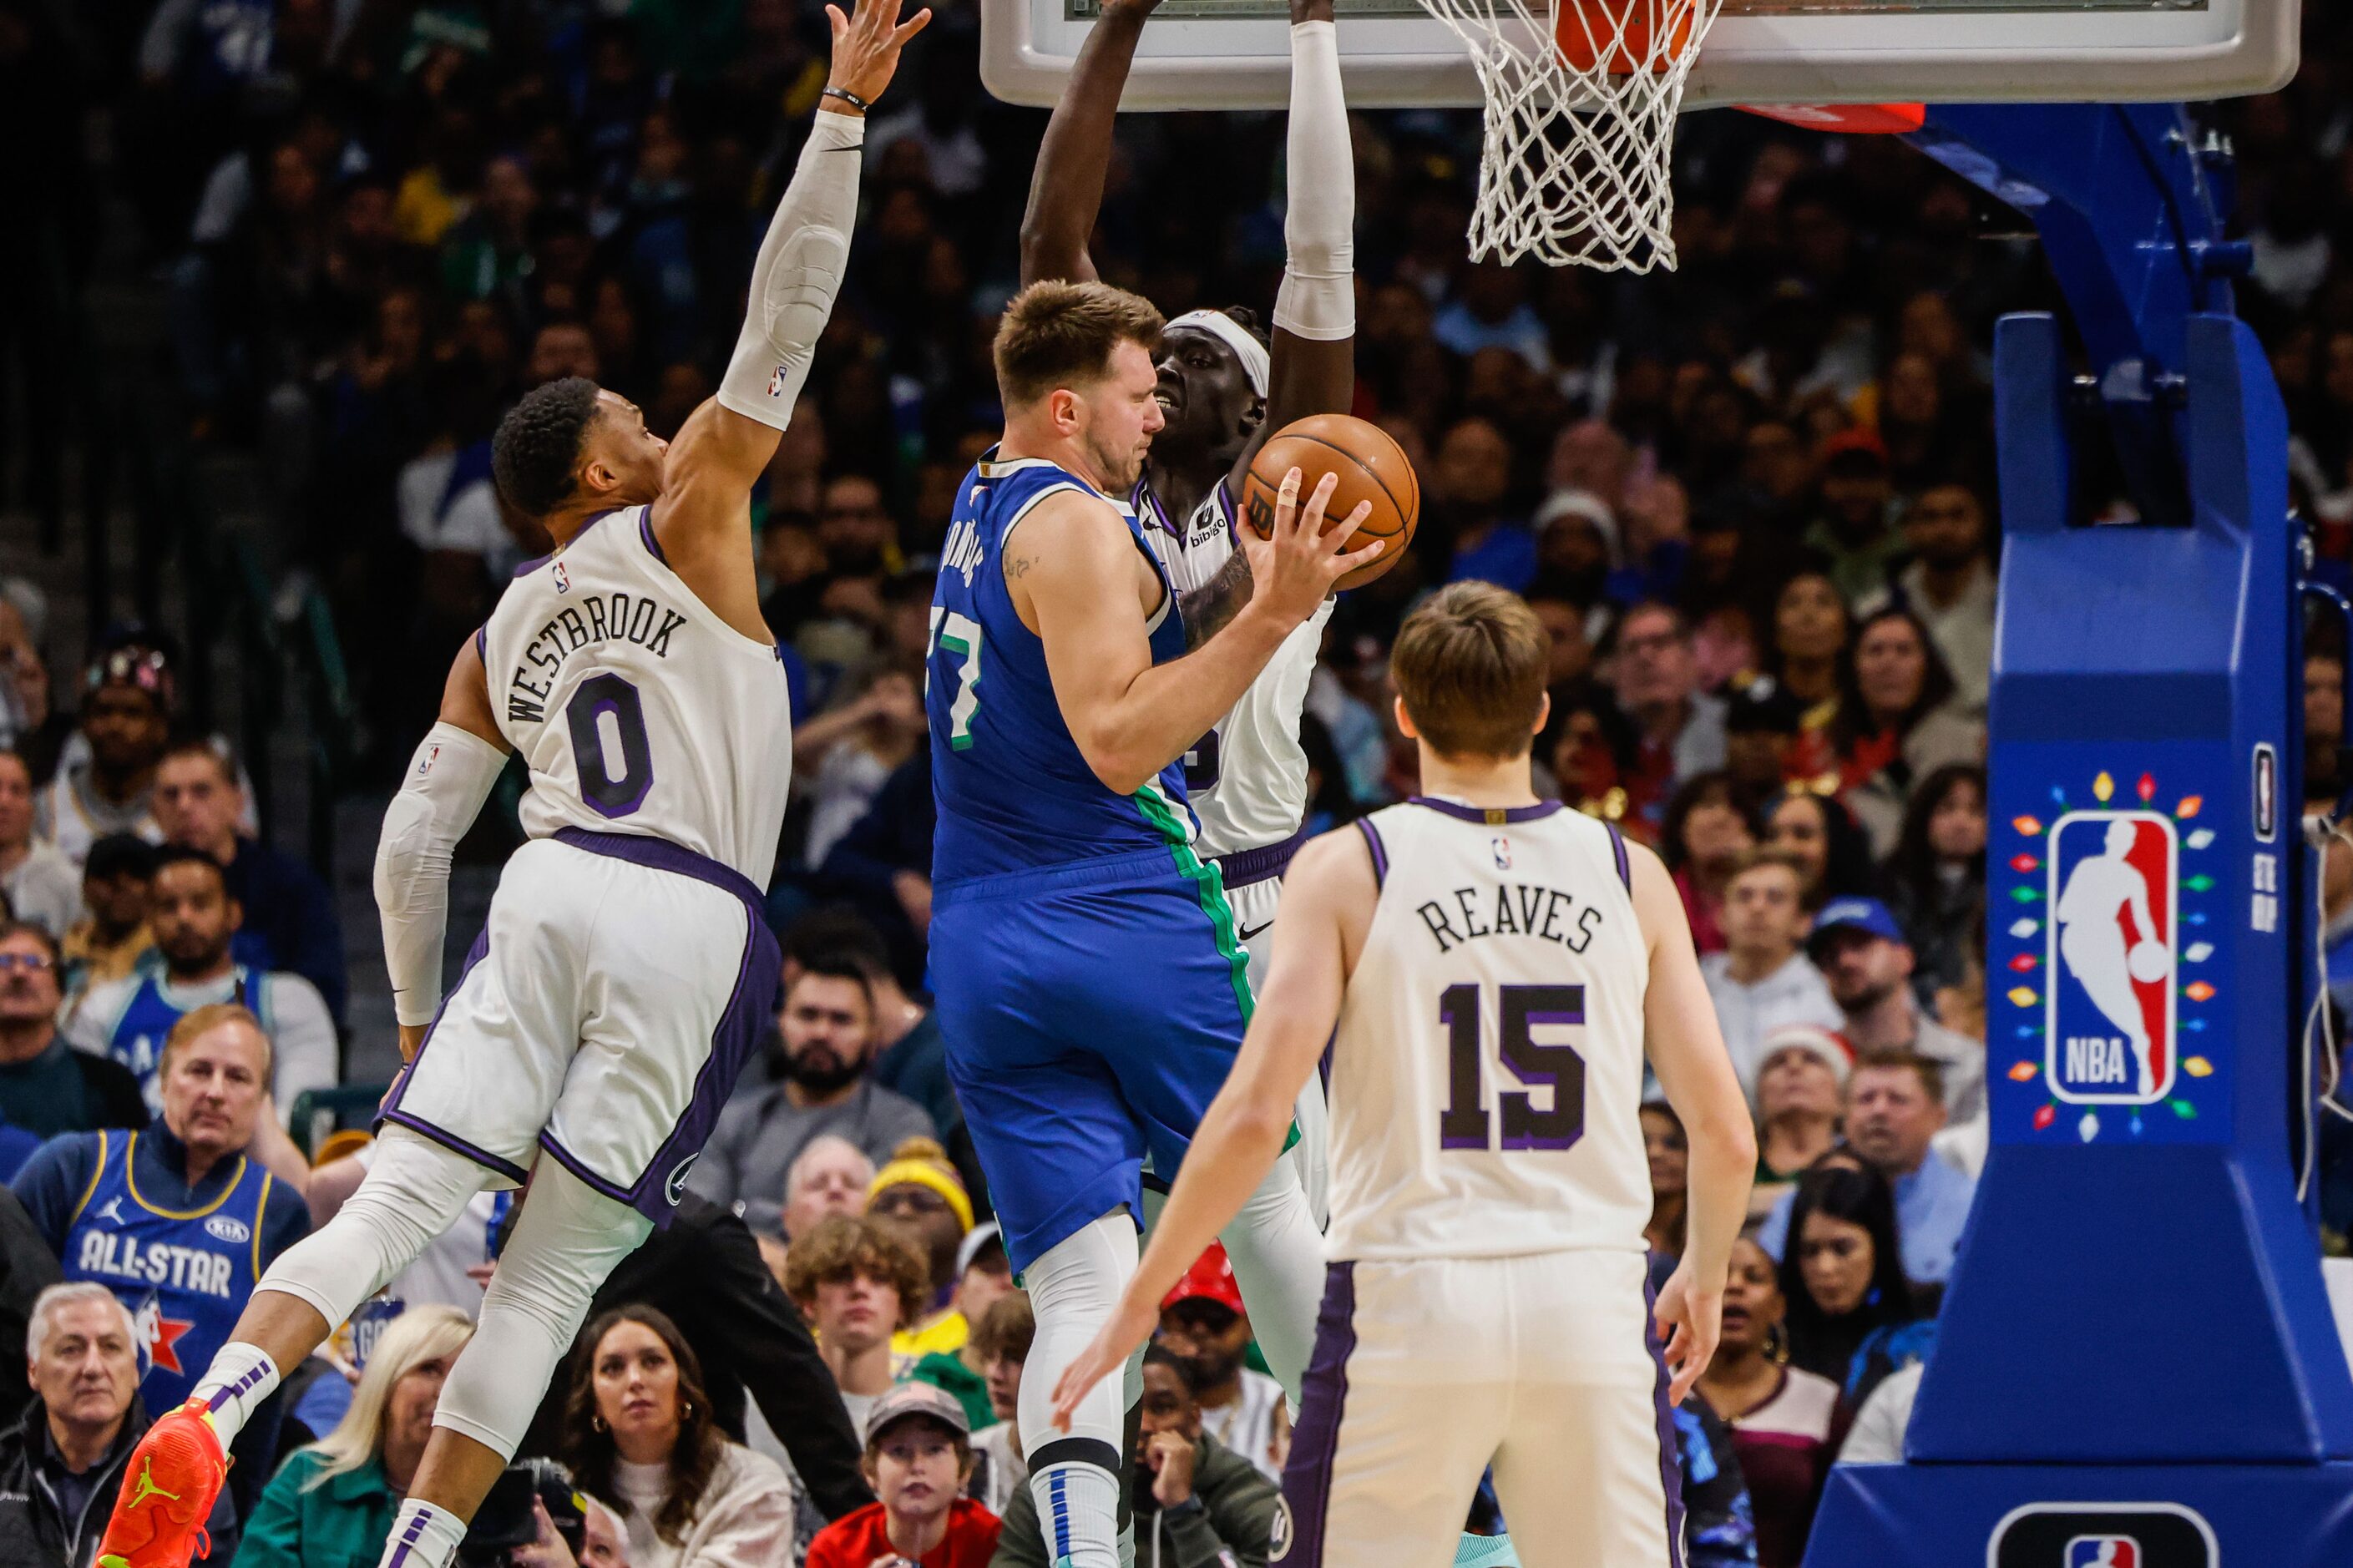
x=466 y=697
x=707 y=476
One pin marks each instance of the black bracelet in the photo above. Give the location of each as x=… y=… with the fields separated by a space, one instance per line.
x=846 y=96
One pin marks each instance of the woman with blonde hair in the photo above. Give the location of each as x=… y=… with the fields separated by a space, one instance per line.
x=333 y=1501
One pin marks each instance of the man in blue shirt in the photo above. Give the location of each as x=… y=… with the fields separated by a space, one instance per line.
x=1894 y=1105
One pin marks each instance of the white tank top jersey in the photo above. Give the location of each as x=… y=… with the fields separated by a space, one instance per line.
x=1488 y=1063
x=1248 y=780
x=637 y=708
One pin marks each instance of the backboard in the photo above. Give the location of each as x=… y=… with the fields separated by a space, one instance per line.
x=1234 y=54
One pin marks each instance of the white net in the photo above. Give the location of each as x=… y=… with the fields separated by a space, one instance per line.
x=1580 y=119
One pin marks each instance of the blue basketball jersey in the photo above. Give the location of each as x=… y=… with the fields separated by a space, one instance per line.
x=148 y=1020
x=1015 y=792
x=183 y=1275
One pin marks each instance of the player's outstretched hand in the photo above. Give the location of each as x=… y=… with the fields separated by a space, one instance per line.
x=866 y=44
x=1131 y=1324
x=1689 y=1321
x=1296 y=565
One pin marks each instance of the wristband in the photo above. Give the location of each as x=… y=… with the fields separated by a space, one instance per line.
x=846 y=96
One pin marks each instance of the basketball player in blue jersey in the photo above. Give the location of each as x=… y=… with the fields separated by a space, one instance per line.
x=1223 y=389
x=625 y=971
x=1089 y=980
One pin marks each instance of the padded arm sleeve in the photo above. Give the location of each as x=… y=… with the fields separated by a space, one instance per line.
x=797 y=275
x=1318 y=296
x=450 y=776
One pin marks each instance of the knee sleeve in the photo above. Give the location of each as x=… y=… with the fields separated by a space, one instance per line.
x=1278 y=1258
x=1073 y=1287
x=414 y=1191
x=566 y=1239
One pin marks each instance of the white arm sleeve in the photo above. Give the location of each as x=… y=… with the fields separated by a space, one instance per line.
x=1318 y=296
x=448 y=779
x=797 y=274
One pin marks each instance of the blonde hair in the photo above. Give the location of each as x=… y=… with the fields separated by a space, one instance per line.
x=1470 y=665
x=417 y=1336
x=211 y=1017
x=1060 y=334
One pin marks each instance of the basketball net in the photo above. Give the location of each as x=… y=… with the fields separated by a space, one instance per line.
x=1581 y=102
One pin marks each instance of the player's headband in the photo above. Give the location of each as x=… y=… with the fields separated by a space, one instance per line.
x=1256 y=365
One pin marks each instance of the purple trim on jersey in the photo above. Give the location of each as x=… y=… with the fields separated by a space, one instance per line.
x=1485 y=814
x=646 y=533
x=1380 y=852
x=1224 y=492
x=1323 y=1402
x=1146 y=505
x=1670 y=1473
x=482 y=645
x=1245 y=868
x=457 y=1145
x=750 y=1006
x=536 y=561
x=1617 y=851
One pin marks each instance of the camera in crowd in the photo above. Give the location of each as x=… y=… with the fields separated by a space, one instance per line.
x=507 y=1522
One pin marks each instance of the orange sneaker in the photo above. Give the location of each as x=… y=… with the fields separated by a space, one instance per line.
x=168 y=1488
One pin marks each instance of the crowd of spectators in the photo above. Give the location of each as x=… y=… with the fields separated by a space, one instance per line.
x=1752 y=500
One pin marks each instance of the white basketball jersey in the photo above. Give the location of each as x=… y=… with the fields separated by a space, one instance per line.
x=637 y=708
x=1488 y=1063
x=1247 y=779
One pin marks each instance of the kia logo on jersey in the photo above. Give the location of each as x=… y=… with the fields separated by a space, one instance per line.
x=2111 y=950
x=2104 y=1552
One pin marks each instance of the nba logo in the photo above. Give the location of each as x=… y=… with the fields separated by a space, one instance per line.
x=2104 y=1552
x=562 y=579
x=2109 y=1028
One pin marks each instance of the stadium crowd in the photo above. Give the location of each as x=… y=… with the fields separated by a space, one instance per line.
x=1753 y=501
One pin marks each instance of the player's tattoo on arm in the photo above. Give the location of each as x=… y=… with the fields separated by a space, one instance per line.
x=1209 y=607
x=1017 y=566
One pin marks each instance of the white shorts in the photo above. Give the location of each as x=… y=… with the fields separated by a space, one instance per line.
x=616 y=992
x=1254 y=905
x=1427 y=1372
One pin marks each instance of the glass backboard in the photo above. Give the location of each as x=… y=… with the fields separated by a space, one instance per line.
x=1234 y=54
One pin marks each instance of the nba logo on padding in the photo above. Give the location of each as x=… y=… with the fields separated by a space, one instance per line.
x=2111 y=944
x=2104 y=1552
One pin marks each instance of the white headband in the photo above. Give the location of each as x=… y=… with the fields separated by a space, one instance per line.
x=1256 y=365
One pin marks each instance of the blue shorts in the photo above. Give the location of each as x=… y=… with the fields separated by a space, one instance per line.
x=1092 y=1013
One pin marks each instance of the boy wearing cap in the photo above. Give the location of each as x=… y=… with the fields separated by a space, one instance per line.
x=1761 y=981
x=918 y=1458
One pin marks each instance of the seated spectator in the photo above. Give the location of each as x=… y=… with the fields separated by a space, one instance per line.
x=1761 y=724
x=983 y=1276
x=1949 y=584
x=847 y=754
x=27 y=1268
x=112 y=940
x=910 y=1056
x=1669 y=1153
x=1852 y=530
x=43 y=887
x=1801 y=1079
x=883 y=864
x=1003 y=1337
x=1468 y=486
x=62 y=1463
x=832 y=1176
x=855 y=1281
x=1763 y=980
x=1935 y=878
x=194 y=1183
x=333 y=1500
x=1810 y=629
x=1705 y=834
x=827 y=1033
x=1862 y=952
x=639 y=1434
x=1843 y=1278
x=1195 y=1500
x=918 y=1459
x=1822 y=834
x=1896 y=722
x=288 y=917
x=919 y=1194
x=106 y=785
x=1877 y=1436
x=195 y=920
x=1202 y=1323
x=47 y=1088
x=1680 y=728
x=1786 y=1421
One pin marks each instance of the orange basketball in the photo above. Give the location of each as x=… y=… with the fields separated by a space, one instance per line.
x=1583 y=28
x=1371 y=466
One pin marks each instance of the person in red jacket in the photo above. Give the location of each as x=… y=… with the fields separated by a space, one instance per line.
x=918 y=1458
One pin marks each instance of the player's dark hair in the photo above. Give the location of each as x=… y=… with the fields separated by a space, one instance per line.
x=1059 y=334
x=1470 y=666
x=588 y=1440
x=1896 y=1059
x=535 y=454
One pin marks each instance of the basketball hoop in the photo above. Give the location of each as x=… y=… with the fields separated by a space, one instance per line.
x=1581 y=98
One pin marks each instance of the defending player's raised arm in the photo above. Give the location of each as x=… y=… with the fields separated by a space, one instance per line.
x=447 y=781
x=1074 y=157
x=1328 y=898
x=1686 y=1050
x=1068 y=564
x=727 y=442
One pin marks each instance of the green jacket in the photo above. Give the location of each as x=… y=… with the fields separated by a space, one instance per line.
x=1233 y=1528
x=340 y=1523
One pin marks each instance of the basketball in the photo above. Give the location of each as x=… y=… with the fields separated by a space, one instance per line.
x=2149 y=962
x=1371 y=466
